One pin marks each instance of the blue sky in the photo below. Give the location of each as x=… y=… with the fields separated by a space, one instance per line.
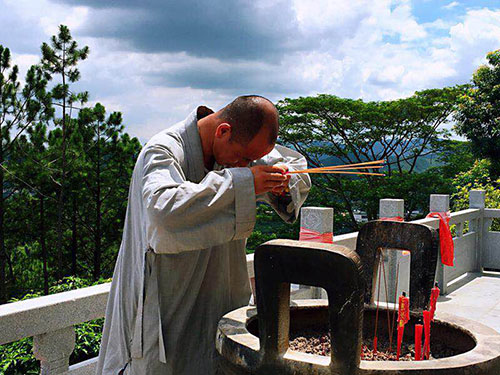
x=156 y=60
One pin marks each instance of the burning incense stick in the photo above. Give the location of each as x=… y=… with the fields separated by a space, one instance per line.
x=338 y=172
x=345 y=169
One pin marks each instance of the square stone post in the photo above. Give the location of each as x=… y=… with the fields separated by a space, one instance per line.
x=389 y=208
x=53 y=349
x=477 y=199
x=440 y=203
x=317 y=219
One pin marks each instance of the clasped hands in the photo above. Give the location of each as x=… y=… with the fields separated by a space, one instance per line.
x=270 y=178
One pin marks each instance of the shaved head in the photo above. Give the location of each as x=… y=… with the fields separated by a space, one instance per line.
x=247 y=115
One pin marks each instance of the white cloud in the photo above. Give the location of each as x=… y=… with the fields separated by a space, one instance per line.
x=451 y=5
x=374 y=50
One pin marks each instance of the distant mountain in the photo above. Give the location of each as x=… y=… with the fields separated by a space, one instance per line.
x=423 y=162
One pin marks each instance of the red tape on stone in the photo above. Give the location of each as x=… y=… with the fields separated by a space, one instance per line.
x=313 y=236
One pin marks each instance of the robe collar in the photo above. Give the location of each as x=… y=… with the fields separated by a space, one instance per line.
x=196 y=166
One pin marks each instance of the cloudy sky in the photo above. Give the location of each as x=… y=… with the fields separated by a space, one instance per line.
x=156 y=60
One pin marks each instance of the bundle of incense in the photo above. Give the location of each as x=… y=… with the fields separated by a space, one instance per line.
x=346 y=169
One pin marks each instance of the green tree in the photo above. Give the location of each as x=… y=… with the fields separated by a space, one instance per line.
x=61 y=59
x=477 y=177
x=35 y=179
x=478 y=115
x=108 y=161
x=19 y=109
x=331 y=130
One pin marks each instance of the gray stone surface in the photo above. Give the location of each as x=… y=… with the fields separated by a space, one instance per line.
x=319 y=219
x=87 y=367
x=53 y=349
x=477 y=198
x=240 y=349
x=395 y=261
x=478 y=299
x=439 y=203
x=51 y=313
x=391 y=207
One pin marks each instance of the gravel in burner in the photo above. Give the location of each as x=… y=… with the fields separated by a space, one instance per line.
x=314 y=342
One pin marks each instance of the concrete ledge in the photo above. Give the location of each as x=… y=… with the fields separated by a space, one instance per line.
x=491 y=213
x=84 y=368
x=50 y=313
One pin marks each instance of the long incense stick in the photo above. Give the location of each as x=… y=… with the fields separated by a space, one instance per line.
x=357 y=164
x=342 y=168
x=337 y=172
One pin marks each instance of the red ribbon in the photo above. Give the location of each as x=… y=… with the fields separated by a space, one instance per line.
x=313 y=236
x=395 y=218
x=445 y=238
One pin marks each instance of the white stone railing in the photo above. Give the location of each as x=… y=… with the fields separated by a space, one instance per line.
x=50 y=319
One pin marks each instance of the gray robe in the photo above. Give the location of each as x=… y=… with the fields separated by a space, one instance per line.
x=182 y=263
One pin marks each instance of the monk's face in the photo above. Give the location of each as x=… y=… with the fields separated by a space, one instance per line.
x=230 y=153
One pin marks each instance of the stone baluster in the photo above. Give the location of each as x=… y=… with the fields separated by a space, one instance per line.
x=477 y=199
x=53 y=349
x=441 y=203
x=389 y=208
x=318 y=219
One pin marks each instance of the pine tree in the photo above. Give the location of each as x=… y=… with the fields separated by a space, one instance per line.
x=19 y=110
x=61 y=59
x=105 y=150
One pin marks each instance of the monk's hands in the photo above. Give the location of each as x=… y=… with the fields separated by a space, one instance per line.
x=268 y=178
x=280 y=190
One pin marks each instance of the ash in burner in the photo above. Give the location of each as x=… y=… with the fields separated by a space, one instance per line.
x=315 y=342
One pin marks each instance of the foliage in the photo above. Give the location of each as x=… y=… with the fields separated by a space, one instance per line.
x=478 y=115
x=20 y=107
x=332 y=130
x=67 y=174
x=477 y=178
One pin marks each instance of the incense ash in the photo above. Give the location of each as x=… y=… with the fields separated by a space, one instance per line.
x=318 y=343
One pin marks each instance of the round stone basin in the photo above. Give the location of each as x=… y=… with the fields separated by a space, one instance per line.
x=478 y=345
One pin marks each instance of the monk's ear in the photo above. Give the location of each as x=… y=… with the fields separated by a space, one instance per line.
x=223 y=130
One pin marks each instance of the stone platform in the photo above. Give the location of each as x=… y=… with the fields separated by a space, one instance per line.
x=477 y=299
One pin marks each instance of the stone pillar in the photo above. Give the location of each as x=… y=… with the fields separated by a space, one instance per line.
x=440 y=203
x=477 y=199
x=53 y=349
x=317 y=219
x=393 y=208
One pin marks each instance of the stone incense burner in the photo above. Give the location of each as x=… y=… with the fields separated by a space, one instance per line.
x=256 y=340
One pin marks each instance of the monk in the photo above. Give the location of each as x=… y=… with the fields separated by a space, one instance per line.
x=191 y=207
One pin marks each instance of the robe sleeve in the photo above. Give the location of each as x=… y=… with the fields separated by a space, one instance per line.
x=182 y=215
x=287 y=206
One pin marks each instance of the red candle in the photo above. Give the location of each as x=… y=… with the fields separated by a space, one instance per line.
x=427 y=333
x=434 y=298
x=418 y=342
x=404 y=308
x=403 y=318
x=401 y=330
x=375 y=345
